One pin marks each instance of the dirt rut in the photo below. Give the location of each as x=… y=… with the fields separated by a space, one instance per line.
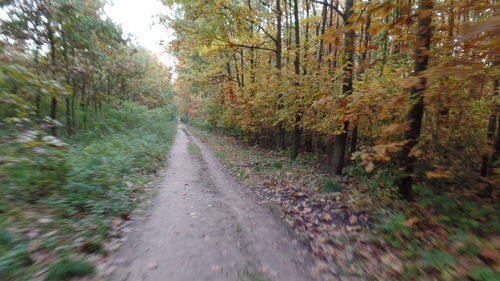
x=202 y=226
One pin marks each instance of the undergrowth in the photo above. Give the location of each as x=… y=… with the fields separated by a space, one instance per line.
x=448 y=233
x=56 y=201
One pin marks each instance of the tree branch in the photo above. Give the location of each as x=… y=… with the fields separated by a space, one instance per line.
x=268 y=6
x=336 y=9
x=249 y=46
x=265 y=31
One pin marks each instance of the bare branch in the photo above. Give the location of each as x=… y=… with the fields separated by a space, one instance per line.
x=249 y=46
x=336 y=9
x=268 y=6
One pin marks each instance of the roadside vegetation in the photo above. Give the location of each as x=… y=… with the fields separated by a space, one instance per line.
x=86 y=118
x=62 y=203
x=356 y=225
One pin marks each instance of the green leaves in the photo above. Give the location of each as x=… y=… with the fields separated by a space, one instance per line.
x=437 y=259
x=484 y=274
x=100 y=174
x=66 y=269
x=14 y=254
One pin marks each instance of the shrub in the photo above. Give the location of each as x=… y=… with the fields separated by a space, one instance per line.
x=66 y=269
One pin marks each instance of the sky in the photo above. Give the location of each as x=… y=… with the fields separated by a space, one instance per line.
x=136 y=17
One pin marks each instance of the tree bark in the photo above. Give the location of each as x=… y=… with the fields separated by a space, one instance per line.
x=323 y=27
x=414 y=117
x=339 y=147
x=281 y=129
x=297 y=130
x=53 y=100
x=493 y=141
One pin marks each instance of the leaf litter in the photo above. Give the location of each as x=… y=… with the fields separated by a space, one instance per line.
x=336 y=234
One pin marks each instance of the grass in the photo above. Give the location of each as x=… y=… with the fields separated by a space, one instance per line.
x=252 y=273
x=66 y=269
x=331 y=185
x=62 y=199
x=193 y=148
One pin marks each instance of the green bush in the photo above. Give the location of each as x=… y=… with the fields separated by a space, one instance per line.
x=78 y=185
x=484 y=274
x=14 y=255
x=277 y=165
x=66 y=269
x=331 y=185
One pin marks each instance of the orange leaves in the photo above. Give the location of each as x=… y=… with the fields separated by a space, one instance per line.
x=438 y=173
x=411 y=221
x=245 y=88
x=380 y=9
x=378 y=153
x=396 y=128
x=490 y=26
x=375 y=29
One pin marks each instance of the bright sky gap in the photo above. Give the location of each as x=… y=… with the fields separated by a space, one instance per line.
x=138 y=18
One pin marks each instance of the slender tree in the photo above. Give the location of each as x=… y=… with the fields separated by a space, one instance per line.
x=339 y=146
x=414 y=117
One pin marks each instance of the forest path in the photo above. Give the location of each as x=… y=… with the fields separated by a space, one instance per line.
x=203 y=227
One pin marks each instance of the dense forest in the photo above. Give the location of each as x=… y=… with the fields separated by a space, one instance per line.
x=399 y=98
x=351 y=79
x=84 y=119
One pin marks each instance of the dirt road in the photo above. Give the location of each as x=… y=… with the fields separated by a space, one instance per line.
x=203 y=227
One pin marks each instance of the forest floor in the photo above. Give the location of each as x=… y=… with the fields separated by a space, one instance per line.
x=312 y=204
x=226 y=210
x=203 y=225
x=354 y=226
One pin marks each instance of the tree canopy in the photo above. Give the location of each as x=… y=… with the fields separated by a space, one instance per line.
x=401 y=81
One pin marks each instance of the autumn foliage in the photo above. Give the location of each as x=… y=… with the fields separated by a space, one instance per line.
x=399 y=95
x=237 y=70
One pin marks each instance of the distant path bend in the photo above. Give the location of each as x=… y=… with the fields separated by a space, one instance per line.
x=203 y=228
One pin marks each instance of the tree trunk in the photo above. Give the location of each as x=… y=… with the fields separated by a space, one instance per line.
x=414 y=118
x=323 y=27
x=281 y=129
x=489 y=158
x=366 y=40
x=341 y=139
x=73 y=98
x=53 y=100
x=297 y=130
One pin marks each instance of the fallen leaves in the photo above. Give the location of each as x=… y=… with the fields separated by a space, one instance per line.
x=490 y=257
x=326 y=217
x=411 y=221
x=299 y=195
x=332 y=229
x=337 y=231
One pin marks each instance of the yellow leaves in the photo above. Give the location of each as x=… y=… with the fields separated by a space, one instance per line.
x=261 y=98
x=369 y=167
x=375 y=29
x=410 y=82
x=411 y=221
x=438 y=173
x=417 y=153
x=378 y=153
x=382 y=10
